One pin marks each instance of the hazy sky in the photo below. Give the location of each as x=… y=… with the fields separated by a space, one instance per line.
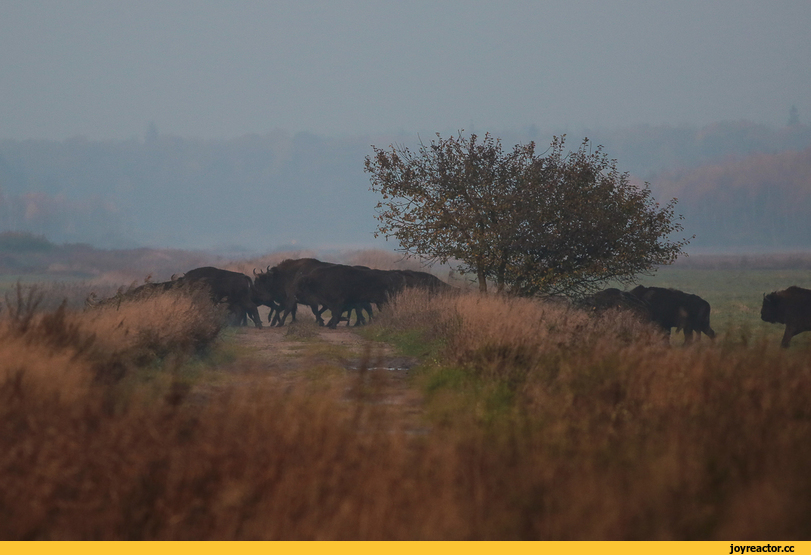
x=105 y=69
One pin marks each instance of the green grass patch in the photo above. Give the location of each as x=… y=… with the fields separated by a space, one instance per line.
x=457 y=393
x=735 y=296
x=409 y=342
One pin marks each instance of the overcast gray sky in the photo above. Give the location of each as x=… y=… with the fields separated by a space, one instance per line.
x=104 y=69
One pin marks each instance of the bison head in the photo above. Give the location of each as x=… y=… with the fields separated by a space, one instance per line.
x=266 y=284
x=771 y=310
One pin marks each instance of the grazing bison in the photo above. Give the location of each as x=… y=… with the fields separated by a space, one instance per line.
x=791 y=307
x=613 y=298
x=233 y=288
x=671 y=308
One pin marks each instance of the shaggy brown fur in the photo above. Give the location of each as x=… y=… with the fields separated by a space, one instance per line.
x=791 y=307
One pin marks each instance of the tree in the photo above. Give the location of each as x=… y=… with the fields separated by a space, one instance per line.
x=583 y=223
x=563 y=222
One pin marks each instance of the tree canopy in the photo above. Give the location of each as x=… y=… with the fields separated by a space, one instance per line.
x=559 y=222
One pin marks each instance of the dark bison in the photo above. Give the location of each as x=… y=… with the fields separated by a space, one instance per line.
x=327 y=286
x=423 y=280
x=671 y=308
x=616 y=299
x=339 y=288
x=791 y=307
x=397 y=280
x=279 y=283
x=233 y=288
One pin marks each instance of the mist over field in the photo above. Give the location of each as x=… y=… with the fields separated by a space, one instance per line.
x=245 y=127
x=742 y=187
x=170 y=169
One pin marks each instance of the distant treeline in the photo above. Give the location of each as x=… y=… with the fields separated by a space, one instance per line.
x=646 y=150
x=739 y=185
x=29 y=255
x=760 y=202
x=260 y=192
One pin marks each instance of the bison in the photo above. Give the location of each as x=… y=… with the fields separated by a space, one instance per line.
x=339 y=288
x=423 y=280
x=613 y=298
x=279 y=284
x=335 y=287
x=791 y=307
x=233 y=288
x=671 y=308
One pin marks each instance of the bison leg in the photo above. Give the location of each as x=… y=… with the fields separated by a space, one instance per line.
x=360 y=309
x=688 y=335
x=273 y=313
x=336 y=317
x=254 y=314
x=288 y=309
x=348 y=317
x=317 y=312
x=359 y=319
x=789 y=333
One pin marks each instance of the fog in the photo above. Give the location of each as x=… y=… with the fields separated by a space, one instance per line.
x=105 y=69
x=245 y=124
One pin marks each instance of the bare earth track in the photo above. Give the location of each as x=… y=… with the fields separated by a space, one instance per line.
x=301 y=351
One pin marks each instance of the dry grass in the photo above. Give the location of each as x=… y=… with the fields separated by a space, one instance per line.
x=544 y=424
x=599 y=431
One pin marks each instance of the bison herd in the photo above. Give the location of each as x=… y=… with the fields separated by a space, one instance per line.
x=322 y=286
x=671 y=308
x=334 y=287
x=344 y=289
x=665 y=308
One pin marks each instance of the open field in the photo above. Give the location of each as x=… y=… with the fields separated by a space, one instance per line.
x=735 y=295
x=454 y=417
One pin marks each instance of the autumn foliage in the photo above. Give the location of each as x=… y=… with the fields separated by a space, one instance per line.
x=534 y=224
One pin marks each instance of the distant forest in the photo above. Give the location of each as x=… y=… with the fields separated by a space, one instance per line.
x=741 y=187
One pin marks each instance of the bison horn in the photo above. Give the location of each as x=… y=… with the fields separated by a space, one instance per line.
x=254 y=271
x=268 y=267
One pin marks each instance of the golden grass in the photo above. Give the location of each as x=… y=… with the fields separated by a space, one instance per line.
x=543 y=423
x=156 y=325
x=615 y=435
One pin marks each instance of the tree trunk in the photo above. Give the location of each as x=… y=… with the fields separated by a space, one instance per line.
x=482 y=280
x=502 y=271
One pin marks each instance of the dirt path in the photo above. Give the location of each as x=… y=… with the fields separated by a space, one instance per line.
x=292 y=353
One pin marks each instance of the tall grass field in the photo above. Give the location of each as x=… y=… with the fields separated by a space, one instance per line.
x=145 y=420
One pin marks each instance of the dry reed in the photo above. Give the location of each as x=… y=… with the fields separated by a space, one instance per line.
x=544 y=424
